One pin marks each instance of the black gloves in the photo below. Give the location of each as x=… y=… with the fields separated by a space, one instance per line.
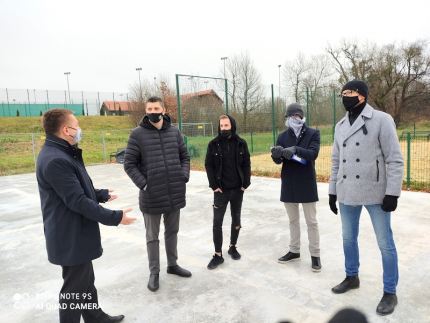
x=279 y=151
x=389 y=204
x=276 y=152
x=287 y=153
x=332 y=202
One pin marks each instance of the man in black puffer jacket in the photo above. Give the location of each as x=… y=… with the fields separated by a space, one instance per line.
x=228 y=168
x=157 y=162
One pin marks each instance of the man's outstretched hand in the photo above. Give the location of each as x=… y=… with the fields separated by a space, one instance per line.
x=126 y=219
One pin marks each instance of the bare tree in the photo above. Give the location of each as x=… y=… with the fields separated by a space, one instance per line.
x=232 y=74
x=294 y=73
x=246 y=93
x=139 y=95
x=353 y=59
x=397 y=75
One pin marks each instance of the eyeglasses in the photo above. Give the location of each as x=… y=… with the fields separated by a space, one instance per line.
x=349 y=93
x=294 y=116
x=72 y=128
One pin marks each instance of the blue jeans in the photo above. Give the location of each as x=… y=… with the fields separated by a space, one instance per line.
x=381 y=222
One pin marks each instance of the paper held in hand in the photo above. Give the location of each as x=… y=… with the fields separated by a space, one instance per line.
x=298 y=159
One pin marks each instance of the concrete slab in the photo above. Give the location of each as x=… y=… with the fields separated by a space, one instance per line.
x=253 y=289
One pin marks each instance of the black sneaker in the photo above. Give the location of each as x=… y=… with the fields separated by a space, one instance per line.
x=316 y=264
x=232 y=251
x=215 y=262
x=290 y=256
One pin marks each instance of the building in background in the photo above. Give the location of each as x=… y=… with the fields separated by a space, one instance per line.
x=116 y=108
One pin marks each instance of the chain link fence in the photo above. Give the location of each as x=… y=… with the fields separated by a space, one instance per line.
x=32 y=102
x=201 y=102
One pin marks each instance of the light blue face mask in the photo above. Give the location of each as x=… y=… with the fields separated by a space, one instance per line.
x=78 y=136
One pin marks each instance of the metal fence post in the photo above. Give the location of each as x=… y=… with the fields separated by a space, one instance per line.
x=252 y=141
x=273 y=115
x=47 y=100
x=104 y=147
x=408 y=161
x=8 y=104
x=226 y=95
x=33 y=144
x=28 y=98
x=178 y=100
x=308 y=115
x=334 y=111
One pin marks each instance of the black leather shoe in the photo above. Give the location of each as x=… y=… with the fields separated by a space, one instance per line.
x=179 y=271
x=153 y=283
x=350 y=282
x=387 y=304
x=290 y=256
x=316 y=264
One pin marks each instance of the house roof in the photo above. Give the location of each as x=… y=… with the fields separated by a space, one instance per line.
x=168 y=100
x=115 y=105
x=210 y=92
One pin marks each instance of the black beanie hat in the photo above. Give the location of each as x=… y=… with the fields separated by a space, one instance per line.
x=357 y=85
x=294 y=108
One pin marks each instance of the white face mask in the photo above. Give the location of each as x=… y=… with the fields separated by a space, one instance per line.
x=294 y=121
x=78 y=136
x=296 y=124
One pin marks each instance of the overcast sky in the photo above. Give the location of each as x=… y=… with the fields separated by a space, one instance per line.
x=102 y=42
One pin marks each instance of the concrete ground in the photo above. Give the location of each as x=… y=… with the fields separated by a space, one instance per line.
x=253 y=289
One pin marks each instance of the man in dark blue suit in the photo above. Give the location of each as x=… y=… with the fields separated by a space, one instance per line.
x=71 y=216
x=297 y=149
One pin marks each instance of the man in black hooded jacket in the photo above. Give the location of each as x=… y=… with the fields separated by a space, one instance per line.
x=157 y=162
x=228 y=168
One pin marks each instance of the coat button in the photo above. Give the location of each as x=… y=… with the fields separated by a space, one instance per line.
x=344 y=176
x=357 y=143
x=357 y=177
x=357 y=160
x=344 y=160
x=344 y=145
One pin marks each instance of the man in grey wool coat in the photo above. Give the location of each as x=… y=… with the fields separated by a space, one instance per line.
x=367 y=170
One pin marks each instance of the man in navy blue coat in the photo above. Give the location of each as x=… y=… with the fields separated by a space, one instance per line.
x=71 y=216
x=297 y=149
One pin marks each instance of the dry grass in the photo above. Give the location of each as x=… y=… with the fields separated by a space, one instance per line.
x=262 y=165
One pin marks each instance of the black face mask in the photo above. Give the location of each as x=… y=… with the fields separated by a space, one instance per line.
x=225 y=133
x=155 y=117
x=350 y=102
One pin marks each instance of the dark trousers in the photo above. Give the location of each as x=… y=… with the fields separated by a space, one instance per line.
x=78 y=296
x=235 y=197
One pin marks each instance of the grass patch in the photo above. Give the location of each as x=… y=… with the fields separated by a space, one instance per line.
x=22 y=138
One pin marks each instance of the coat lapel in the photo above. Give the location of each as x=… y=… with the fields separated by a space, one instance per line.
x=301 y=135
x=359 y=123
